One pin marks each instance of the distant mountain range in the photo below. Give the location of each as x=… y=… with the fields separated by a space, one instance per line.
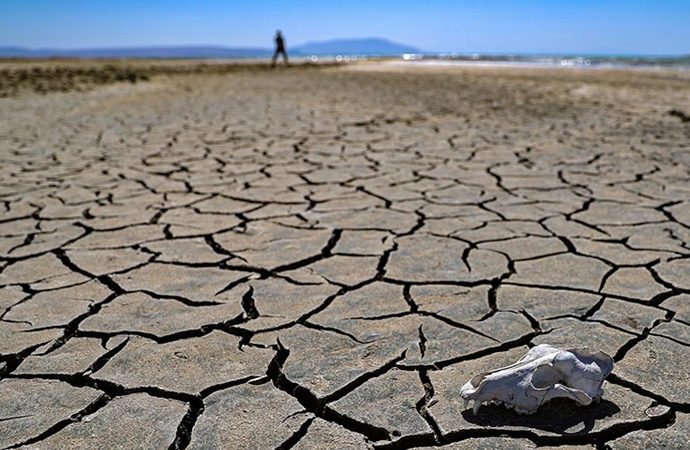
x=191 y=51
x=368 y=46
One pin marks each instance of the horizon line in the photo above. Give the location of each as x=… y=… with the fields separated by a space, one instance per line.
x=420 y=51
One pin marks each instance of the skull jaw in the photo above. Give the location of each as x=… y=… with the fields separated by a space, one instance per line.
x=528 y=406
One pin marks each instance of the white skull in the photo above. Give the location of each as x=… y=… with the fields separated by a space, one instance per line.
x=545 y=372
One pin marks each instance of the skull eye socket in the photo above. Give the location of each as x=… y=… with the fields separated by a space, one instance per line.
x=545 y=376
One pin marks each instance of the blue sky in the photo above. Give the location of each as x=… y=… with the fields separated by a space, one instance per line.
x=503 y=26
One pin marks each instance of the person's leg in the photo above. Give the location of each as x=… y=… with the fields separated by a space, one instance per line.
x=285 y=58
x=275 y=58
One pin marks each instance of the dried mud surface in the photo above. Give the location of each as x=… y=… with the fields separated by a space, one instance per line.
x=321 y=258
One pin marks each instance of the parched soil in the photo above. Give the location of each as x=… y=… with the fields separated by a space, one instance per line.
x=321 y=257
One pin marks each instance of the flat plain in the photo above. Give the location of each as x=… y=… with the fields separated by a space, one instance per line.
x=320 y=257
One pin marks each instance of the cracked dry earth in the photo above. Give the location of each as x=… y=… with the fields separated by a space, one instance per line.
x=306 y=258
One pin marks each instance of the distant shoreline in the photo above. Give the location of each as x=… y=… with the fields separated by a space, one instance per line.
x=476 y=60
x=564 y=63
x=534 y=61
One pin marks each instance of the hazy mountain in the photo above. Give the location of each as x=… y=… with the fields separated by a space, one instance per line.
x=192 y=51
x=366 y=46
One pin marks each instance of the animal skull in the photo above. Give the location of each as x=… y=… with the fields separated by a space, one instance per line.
x=545 y=372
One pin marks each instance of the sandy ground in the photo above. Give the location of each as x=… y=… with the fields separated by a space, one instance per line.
x=321 y=257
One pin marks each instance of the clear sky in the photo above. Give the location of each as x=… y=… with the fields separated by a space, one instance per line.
x=503 y=26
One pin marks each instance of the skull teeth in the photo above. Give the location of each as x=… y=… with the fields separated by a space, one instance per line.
x=476 y=404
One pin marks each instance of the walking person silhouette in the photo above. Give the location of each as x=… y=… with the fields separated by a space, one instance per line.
x=280 y=49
